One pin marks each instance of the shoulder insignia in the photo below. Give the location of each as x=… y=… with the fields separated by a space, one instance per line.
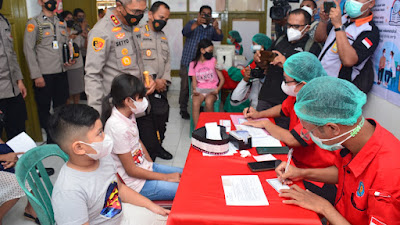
x=137 y=29
x=98 y=44
x=147 y=34
x=120 y=35
x=61 y=23
x=126 y=61
x=164 y=38
x=115 y=20
x=30 y=27
x=116 y=29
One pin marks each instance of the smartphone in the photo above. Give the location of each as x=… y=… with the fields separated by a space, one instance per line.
x=263 y=166
x=328 y=6
x=272 y=150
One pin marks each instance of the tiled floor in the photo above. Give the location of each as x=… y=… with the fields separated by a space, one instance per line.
x=177 y=142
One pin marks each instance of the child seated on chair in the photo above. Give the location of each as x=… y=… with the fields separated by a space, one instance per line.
x=87 y=190
x=207 y=81
x=134 y=165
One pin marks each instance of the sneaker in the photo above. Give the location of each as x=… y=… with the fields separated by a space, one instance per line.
x=185 y=115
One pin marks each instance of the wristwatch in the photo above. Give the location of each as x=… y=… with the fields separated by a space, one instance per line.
x=343 y=28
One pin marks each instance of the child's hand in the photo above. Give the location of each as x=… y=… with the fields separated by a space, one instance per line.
x=159 y=210
x=195 y=93
x=173 y=177
x=215 y=92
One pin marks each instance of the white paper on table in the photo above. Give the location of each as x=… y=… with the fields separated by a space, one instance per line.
x=232 y=151
x=267 y=141
x=253 y=131
x=21 y=143
x=266 y=157
x=243 y=190
x=213 y=131
x=226 y=124
x=277 y=185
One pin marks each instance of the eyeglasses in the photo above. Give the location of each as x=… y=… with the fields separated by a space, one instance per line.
x=305 y=134
x=137 y=12
x=288 y=82
x=295 y=26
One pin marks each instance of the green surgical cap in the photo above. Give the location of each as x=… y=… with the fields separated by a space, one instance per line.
x=235 y=35
x=303 y=66
x=329 y=100
x=263 y=40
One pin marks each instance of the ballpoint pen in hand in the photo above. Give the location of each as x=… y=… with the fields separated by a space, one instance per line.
x=288 y=161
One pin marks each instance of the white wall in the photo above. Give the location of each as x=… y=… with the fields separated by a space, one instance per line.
x=384 y=112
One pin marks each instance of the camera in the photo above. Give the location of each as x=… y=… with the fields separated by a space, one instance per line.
x=279 y=10
x=257 y=73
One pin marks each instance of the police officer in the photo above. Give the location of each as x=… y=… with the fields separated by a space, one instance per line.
x=156 y=59
x=44 y=37
x=114 y=50
x=13 y=91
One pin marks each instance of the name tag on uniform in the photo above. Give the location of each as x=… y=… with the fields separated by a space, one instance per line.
x=55 y=44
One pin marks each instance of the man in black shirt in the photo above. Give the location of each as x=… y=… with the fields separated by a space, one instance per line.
x=295 y=40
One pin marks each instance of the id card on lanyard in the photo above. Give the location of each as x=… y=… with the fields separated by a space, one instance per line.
x=55 y=42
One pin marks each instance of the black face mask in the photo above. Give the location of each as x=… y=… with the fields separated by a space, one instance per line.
x=70 y=23
x=159 y=24
x=208 y=55
x=132 y=20
x=80 y=20
x=50 y=5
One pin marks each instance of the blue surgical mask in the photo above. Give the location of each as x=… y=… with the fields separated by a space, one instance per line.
x=353 y=8
x=353 y=132
x=228 y=40
x=255 y=48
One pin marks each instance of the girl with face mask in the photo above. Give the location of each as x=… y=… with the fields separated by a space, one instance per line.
x=134 y=165
x=207 y=81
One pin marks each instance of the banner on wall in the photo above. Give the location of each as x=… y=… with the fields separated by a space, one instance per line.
x=386 y=58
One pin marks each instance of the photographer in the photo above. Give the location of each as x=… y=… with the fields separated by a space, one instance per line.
x=350 y=40
x=279 y=13
x=295 y=40
x=251 y=78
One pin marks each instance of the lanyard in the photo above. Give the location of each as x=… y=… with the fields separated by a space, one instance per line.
x=53 y=27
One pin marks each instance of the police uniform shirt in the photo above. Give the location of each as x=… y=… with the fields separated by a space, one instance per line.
x=363 y=36
x=155 y=51
x=112 y=51
x=10 y=71
x=43 y=43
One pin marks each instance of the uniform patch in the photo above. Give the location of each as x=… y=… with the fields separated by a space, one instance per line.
x=137 y=29
x=374 y=221
x=148 y=53
x=116 y=29
x=98 y=44
x=157 y=24
x=361 y=189
x=334 y=48
x=63 y=32
x=133 y=20
x=47 y=33
x=61 y=23
x=30 y=27
x=115 y=20
x=146 y=34
x=126 y=61
x=124 y=51
x=164 y=38
x=367 y=43
x=120 y=35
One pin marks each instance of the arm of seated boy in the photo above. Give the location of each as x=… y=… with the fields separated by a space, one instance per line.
x=140 y=173
x=130 y=196
x=70 y=207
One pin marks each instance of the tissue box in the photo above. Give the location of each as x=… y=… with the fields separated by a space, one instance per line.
x=215 y=147
x=241 y=139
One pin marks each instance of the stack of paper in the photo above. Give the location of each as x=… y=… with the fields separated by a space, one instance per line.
x=21 y=143
x=213 y=131
x=243 y=190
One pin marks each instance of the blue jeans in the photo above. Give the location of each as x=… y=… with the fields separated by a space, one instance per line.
x=161 y=190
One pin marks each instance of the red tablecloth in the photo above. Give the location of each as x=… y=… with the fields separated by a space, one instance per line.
x=200 y=197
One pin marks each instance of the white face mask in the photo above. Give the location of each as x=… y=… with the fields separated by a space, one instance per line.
x=294 y=35
x=102 y=148
x=289 y=90
x=140 y=106
x=308 y=9
x=255 y=48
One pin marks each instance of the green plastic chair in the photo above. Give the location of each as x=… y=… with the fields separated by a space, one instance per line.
x=217 y=103
x=42 y=187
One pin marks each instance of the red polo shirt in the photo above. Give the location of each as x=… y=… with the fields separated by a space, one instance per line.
x=369 y=183
x=308 y=155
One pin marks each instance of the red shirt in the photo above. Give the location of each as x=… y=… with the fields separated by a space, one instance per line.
x=369 y=183
x=308 y=155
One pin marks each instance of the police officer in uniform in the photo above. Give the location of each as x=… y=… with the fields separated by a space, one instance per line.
x=13 y=91
x=156 y=60
x=114 y=50
x=44 y=37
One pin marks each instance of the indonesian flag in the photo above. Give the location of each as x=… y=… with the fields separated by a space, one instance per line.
x=367 y=43
x=374 y=221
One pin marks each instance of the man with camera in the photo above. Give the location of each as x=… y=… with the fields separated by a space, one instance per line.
x=295 y=40
x=350 y=40
x=279 y=13
x=204 y=27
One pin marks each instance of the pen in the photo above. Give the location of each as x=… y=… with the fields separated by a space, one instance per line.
x=248 y=109
x=289 y=159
